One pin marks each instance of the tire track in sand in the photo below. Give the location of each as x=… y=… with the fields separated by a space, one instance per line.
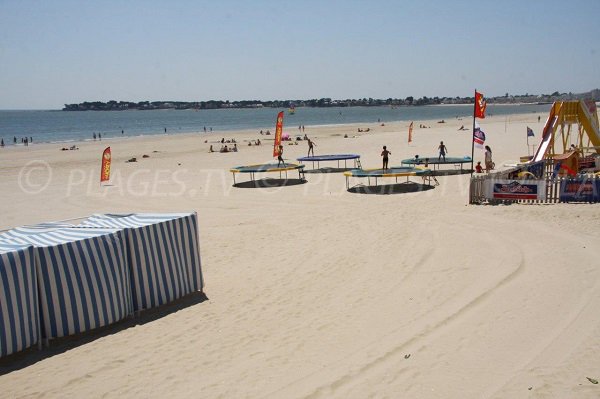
x=397 y=351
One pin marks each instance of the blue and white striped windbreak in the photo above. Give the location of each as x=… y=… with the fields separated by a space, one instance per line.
x=163 y=254
x=19 y=314
x=83 y=278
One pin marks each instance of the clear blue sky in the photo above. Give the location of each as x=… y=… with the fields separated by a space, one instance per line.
x=57 y=52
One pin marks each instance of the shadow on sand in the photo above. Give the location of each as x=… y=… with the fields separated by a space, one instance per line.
x=269 y=183
x=57 y=346
x=398 y=188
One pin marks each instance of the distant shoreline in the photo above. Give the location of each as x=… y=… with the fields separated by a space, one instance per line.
x=409 y=101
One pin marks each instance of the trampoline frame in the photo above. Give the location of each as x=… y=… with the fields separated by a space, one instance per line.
x=290 y=166
x=426 y=176
x=436 y=163
x=354 y=157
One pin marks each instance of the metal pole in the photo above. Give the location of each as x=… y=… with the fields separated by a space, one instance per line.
x=473 y=133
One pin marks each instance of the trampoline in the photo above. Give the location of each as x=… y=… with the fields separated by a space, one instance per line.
x=332 y=157
x=268 y=168
x=436 y=162
x=394 y=171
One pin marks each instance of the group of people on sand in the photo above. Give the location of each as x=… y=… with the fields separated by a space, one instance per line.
x=73 y=147
x=224 y=148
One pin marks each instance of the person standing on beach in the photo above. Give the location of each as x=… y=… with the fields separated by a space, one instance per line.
x=310 y=147
x=94 y=136
x=385 y=154
x=443 y=151
x=280 y=156
x=100 y=136
x=489 y=164
x=2 y=143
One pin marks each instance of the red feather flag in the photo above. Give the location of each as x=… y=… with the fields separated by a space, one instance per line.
x=480 y=105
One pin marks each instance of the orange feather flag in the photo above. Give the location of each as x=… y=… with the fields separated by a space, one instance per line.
x=105 y=170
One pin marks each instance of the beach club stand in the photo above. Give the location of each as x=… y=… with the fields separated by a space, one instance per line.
x=57 y=279
x=82 y=277
x=19 y=313
x=162 y=252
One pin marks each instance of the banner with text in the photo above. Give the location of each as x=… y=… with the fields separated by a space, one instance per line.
x=515 y=189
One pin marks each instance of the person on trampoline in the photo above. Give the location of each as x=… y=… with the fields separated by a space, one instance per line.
x=443 y=151
x=311 y=145
x=385 y=154
x=280 y=156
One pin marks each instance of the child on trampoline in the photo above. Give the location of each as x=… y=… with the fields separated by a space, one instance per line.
x=385 y=154
x=310 y=147
x=443 y=151
x=279 y=156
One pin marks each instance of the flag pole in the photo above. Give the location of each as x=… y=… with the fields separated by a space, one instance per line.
x=473 y=133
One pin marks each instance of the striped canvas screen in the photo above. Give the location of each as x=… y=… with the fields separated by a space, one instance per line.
x=19 y=314
x=163 y=254
x=82 y=277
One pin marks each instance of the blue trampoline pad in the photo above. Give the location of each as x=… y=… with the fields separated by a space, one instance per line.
x=435 y=161
x=395 y=171
x=330 y=157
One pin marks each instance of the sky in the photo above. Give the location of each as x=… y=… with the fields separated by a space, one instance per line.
x=61 y=52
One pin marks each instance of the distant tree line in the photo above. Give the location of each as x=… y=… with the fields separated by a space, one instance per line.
x=325 y=102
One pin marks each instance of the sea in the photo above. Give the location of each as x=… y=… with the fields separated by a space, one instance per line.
x=53 y=126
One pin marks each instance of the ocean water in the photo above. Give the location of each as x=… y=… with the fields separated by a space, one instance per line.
x=61 y=126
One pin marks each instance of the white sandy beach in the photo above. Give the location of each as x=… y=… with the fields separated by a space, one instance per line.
x=315 y=292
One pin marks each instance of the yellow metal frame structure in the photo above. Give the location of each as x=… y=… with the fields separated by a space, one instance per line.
x=559 y=134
